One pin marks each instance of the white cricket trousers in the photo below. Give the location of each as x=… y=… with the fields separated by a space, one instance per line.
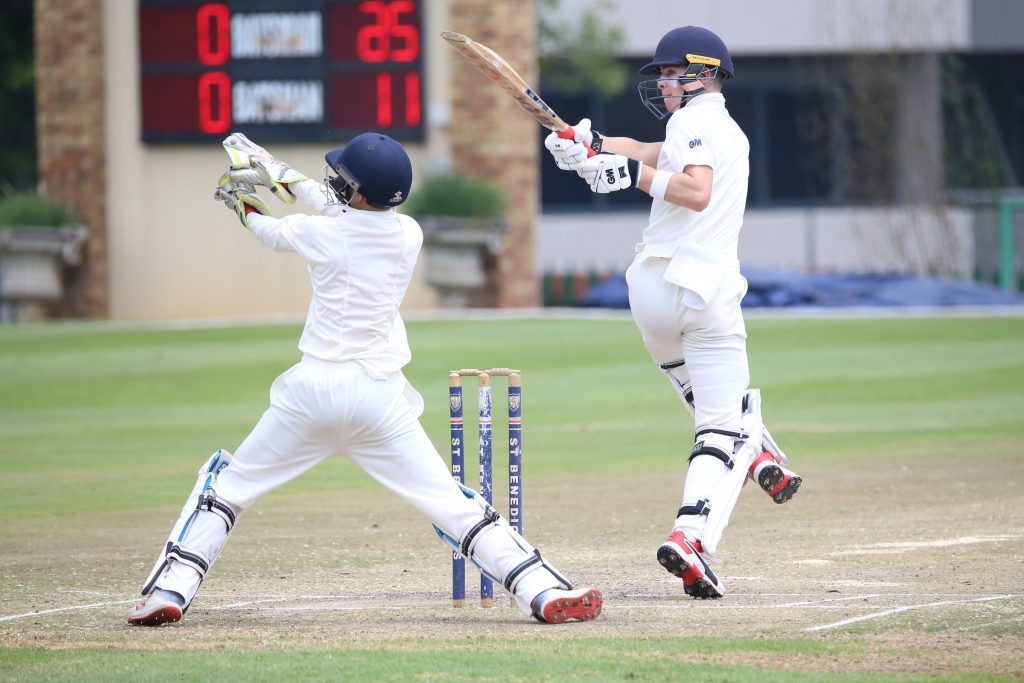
x=712 y=342
x=319 y=409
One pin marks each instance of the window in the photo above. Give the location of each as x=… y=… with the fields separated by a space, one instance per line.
x=819 y=134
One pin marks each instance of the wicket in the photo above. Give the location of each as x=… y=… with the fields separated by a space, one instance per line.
x=515 y=455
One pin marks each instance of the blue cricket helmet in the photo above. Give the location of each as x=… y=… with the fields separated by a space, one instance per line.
x=373 y=165
x=686 y=46
x=703 y=56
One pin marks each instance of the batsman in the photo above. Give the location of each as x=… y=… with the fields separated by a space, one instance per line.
x=347 y=395
x=685 y=284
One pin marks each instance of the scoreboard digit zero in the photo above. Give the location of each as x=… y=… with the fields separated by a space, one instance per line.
x=280 y=70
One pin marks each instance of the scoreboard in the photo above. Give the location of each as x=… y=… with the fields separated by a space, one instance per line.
x=281 y=70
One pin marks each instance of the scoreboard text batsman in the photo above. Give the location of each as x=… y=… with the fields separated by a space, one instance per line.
x=281 y=70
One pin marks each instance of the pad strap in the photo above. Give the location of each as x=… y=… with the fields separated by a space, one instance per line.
x=702 y=507
x=702 y=447
x=723 y=432
x=208 y=501
x=517 y=571
x=521 y=570
x=194 y=560
x=491 y=516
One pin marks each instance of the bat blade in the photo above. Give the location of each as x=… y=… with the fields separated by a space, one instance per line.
x=499 y=71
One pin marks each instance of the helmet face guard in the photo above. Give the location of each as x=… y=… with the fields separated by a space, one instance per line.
x=338 y=186
x=699 y=69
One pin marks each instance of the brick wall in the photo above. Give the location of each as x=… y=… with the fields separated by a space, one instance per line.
x=70 y=130
x=493 y=138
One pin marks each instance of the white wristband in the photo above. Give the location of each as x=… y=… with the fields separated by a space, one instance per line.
x=659 y=185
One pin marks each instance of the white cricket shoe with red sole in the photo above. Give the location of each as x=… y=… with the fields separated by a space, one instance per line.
x=557 y=606
x=155 y=610
x=681 y=556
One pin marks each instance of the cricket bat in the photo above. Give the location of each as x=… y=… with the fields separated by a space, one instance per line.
x=499 y=71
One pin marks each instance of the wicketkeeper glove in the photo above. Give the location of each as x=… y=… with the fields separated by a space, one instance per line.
x=253 y=165
x=606 y=173
x=240 y=198
x=242 y=150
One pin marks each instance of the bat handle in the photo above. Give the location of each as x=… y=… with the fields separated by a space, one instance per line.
x=570 y=134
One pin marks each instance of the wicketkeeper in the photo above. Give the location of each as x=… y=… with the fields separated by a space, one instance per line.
x=347 y=395
x=685 y=284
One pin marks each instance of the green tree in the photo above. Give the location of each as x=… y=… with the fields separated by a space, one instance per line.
x=579 y=54
x=18 y=168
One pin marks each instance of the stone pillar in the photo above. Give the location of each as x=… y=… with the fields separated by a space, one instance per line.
x=70 y=129
x=919 y=134
x=493 y=138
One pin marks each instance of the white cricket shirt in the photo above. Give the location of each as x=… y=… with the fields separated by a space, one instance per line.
x=702 y=134
x=360 y=264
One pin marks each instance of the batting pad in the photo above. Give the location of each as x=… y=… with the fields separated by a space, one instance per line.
x=723 y=499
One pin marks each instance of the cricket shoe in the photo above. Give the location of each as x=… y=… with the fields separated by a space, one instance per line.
x=159 y=607
x=682 y=556
x=554 y=605
x=776 y=480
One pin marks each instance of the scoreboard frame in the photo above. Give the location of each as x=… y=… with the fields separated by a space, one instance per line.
x=259 y=66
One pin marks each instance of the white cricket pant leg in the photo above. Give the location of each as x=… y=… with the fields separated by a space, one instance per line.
x=712 y=341
x=319 y=409
x=404 y=460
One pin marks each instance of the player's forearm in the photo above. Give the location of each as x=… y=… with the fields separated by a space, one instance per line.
x=646 y=152
x=309 y=192
x=689 y=188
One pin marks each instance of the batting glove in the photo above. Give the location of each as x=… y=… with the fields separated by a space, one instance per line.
x=240 y=198
x=570 y=154
x=606 y=173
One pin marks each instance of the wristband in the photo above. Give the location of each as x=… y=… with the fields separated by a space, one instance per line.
x=660 y=184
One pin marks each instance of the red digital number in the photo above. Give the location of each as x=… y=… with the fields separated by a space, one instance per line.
x=385 y=97
x=374 y=42
x=384 y=100
x=214 y=102
x=412 y=98
x=213 y=36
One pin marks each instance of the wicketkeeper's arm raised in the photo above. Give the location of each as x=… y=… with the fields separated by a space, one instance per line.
x=253 y=165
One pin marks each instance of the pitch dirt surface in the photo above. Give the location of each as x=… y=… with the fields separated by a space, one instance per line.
x=912 y=566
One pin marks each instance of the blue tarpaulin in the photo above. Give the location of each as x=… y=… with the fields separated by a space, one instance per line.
x=776 y=288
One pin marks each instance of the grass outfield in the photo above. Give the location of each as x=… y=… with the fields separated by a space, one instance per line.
x=105 y=425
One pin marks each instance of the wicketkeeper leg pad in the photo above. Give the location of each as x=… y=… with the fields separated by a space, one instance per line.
x=504 y=556
x=198 y=536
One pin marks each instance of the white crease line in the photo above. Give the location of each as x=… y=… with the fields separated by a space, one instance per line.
x=66 y=609
x=818 y=602
x=810 y=604
x=907 y=608
x=355 y=608
x=284 y=598
x=893 y=547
